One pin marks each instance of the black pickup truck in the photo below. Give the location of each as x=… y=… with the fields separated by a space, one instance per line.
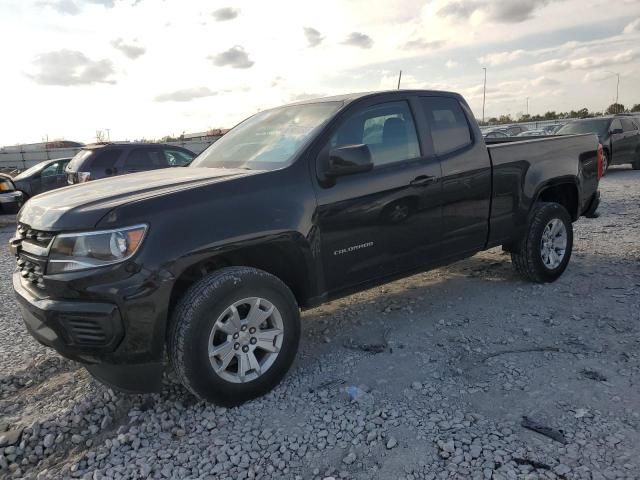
x=209 y=265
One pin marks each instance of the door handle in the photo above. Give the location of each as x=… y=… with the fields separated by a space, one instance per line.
x=422 y=181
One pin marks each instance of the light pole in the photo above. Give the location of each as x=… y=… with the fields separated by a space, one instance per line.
x=527 y=106
x=399 y=78
x=484 y=92
x=617 y=86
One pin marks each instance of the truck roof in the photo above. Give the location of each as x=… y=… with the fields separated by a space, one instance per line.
x=350 y=97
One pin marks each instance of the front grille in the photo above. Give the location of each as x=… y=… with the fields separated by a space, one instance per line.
x=32 y=247
x=86 y=331
x=32 y=269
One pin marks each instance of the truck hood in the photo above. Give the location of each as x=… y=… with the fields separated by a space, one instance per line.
x=82 y=206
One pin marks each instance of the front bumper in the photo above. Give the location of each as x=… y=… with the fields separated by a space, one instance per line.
x=11 y=202
x=88 y=332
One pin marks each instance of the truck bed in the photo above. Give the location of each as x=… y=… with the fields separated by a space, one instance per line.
x=521 y=168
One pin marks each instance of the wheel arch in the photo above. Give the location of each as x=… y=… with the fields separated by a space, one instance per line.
x=287 y=256
x=563 y=191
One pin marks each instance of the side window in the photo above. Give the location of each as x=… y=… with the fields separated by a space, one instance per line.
x=616 y=125
x=449 y=126
x=628 y=125
x=387 y=129
x=145 y=159
x=177 y=158
x=51 y=170
x=105 y=159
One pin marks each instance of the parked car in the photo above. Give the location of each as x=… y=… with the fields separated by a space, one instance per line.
x=533 y=133
x=42 y=177
x=210 y=264
x=496 y=134
x=618 y=134
x=514 y=130
x=11 y=200
x=107 y=160
x=551 y=129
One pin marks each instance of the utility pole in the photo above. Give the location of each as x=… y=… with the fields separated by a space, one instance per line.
x=617 y=86
x=527 y=105
x=399 y=78
x=484 y=92
x=108 y=134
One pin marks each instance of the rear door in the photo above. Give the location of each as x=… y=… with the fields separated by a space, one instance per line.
x=387 y=220
x=466 y=174
x=619 y=149
x=631 y=139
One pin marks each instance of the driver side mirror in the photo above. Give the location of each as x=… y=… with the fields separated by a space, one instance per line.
x=616 y=131
x=349 y=160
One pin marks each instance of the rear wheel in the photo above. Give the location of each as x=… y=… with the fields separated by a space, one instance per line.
x=234 y=335
x=544 y=252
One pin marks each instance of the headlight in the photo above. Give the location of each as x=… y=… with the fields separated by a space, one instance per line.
x=80 y=251
x=6 y=186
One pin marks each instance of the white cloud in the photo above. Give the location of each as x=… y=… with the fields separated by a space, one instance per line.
x=633 y=27
x=131 y=50
x=313 y=36
x=586 y=63
x=235 y=57
x=494 y=59
x=226 y=13
x=70 y=67
x=357 y=39
x=422 y=44
x=451 y=64
x=186 y=95
x=501 y=11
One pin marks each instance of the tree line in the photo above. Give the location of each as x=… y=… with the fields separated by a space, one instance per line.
x=553 y=115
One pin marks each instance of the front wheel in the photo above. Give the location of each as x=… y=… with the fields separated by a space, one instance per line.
x=544 y=252
x=234 y=335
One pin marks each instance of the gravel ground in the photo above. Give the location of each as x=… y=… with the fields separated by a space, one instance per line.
x=428 y=377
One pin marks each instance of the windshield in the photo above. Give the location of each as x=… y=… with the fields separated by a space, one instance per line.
x=598 y=126
x=269 y=140
x=30 y=171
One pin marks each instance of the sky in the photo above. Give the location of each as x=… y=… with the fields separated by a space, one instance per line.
x=150 y=68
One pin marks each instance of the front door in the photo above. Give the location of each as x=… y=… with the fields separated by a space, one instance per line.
x=387 y=220
x=631 y=138
x=49 y=177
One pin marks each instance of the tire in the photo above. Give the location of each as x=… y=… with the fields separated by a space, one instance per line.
x=528 y=257
x=203 y=321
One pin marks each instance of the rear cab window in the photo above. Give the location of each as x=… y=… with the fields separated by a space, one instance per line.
x=449 y=126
